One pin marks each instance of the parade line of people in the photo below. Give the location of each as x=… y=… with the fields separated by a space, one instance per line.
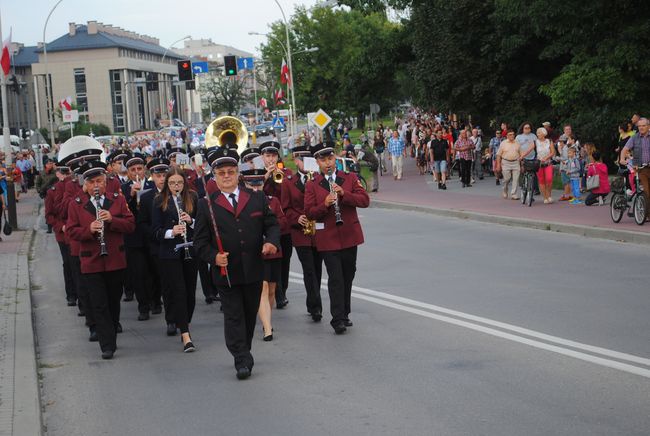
x=231 y=220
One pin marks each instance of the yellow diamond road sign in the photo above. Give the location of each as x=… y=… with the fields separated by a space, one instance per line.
x=321 y=119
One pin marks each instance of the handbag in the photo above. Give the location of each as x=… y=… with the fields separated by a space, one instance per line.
x=7 y=229
x=593 y=182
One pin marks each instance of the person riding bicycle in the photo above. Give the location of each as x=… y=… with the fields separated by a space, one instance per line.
x=367 y=155
x=639 y=146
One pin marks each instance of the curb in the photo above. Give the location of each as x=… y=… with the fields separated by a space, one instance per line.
x=586 y=231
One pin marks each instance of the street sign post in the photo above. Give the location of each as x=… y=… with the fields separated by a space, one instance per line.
x=245 y=63
x=321 y=120
x=200 y=67
x=278 y=123
x=70 y=116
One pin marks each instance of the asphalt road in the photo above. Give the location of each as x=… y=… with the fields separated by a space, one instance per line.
x=461 y=328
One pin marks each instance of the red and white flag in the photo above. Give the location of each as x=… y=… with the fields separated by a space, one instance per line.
x=66 y=104
x=279 y=97
x=284 y=73
x=5 y=60
x=170 y=105
x=262 y=102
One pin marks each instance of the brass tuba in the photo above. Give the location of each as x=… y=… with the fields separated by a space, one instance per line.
x=226 y=130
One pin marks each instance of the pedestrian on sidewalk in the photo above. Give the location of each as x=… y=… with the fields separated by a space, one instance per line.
x=597 y=167
x=639 y=146
x=396 y=154
x=439 y=152
x=365 y=154
x=562 y=158
x=545 y=153
x=493 y=146
x=477 y=167
x=508 y=157
x=465 y=148
x=573 y=171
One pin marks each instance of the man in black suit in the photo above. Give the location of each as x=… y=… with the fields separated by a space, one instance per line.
x=234 y=228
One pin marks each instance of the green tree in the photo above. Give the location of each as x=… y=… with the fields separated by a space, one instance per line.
x=227 y=94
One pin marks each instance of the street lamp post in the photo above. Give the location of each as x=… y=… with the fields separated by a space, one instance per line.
x=290 y=65
x=162 y=104
x=48 y=81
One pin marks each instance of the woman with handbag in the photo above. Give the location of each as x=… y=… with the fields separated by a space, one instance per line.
x=597 y=180
x=545 y=152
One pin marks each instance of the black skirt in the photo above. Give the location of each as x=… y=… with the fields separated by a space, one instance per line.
x=272 y=270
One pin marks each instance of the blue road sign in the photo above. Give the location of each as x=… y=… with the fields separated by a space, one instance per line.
x=278 y=123
x=244 y=63
x=199 y=67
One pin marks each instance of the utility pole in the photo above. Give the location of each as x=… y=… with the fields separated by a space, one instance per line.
x=6 y=137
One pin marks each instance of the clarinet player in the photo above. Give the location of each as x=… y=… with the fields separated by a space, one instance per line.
x=331 y=199
x=99 y=222
x=172 y=224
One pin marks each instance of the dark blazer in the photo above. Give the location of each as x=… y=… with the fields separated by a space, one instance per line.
x=82 y=212
x=163 y=220
x=138 y=238
x=333 y=237
x=143 y=220
x=242 y=235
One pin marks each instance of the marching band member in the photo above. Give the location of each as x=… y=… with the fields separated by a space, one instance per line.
x=172 y=222
x=99 y=221
x=113 y=181
x=293 y=201
x=272 y=186
x=158 y=168
x=332 y=199
x=190 y=174
x=254 y=180
x=230 y=229
x=138 y=272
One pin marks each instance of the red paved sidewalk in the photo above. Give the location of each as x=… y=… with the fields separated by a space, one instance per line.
x=485 y=198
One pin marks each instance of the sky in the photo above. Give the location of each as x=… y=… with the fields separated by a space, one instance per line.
x=224 y=21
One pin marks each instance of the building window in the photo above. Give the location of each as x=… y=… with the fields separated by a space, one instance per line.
x=80 y=89
x=117 y=101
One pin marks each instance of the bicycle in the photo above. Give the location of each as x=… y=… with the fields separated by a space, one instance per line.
x=624 y=199
x=527 y=181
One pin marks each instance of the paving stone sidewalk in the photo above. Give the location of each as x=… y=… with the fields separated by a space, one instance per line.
x=20 y=411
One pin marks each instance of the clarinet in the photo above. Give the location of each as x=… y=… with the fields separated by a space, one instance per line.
x=178 y=202
x=337 y=208
x=103 y=251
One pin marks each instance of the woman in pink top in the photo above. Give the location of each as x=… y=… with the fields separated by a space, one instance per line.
x=598 y=194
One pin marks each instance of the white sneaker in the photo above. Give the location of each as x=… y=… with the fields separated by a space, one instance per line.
x=600 y=201
x=550 y=200
x=546 y=201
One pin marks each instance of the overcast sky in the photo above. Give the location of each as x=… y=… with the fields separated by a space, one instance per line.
x=224 y=21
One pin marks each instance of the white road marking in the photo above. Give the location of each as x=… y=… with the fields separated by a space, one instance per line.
x=401 y=303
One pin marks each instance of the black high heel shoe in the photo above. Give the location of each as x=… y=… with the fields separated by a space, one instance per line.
x=189 y=347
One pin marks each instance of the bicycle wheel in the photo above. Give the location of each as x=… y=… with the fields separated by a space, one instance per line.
x=615 y=209
x=524 y=188
x=640 y=209
x=364 y=184
x=529 y=196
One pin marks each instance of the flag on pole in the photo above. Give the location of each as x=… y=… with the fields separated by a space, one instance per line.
x=5 y=60
x=66 y=104
x=262 y=102
x=284 y=73
x=279 y=97
x=170 y=105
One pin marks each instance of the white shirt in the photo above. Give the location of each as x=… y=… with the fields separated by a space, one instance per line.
x=227 y=195
x=101 y=202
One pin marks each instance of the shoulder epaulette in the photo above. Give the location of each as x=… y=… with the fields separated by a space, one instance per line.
x=289 y=177
x=115 y=194
x=52 y=188
x=78 y=200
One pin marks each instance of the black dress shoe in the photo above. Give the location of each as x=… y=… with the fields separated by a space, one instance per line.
x=268 y=338
x=81 y=313
x=128 y=297
x=347 y=323
x=209 y=300
x=108 y=354
x=339 y=329
x=316 y=317
x=282 y=304
x=243 y=373
x=93 y=336
x=118 y=328
x=72 y=302
x=189 y=347
x=144 y=316
x=171 y=329
x=157 y=310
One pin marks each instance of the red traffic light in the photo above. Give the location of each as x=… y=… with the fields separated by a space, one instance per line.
x=185 y=70
x=185 y=65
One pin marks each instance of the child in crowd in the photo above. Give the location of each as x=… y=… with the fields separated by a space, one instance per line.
x=573 y=172
x=563 y=152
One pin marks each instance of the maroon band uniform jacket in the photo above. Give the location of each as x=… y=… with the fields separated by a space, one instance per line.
x=293 y=205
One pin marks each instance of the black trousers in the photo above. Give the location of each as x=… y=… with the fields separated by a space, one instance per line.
x=341 y=267
x=207 y=285
x=181 y=276
x=465 y=171
x=139 y=277
x=312 y=269
x=82 y=291
x=68 y=279
x=105 y=291
x=240 y=304
x=154 y=273
x=287 y=250
x=166 y=292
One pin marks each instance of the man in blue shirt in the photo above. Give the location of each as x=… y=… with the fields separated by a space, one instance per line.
x=396 y=154
x=25 y=166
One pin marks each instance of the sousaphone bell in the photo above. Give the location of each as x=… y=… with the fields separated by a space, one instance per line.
x=226 y=130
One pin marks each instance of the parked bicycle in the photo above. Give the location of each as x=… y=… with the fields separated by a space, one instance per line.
x=349 y=165
x=624 y=198
x=527 y=181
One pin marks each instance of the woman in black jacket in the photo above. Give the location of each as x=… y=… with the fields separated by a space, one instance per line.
x=172 y=223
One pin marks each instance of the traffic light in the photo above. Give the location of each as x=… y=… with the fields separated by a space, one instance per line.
x=185 y=71
x=152 y=81
x=230 y=64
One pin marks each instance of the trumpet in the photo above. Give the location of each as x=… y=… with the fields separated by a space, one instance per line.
x=103 y=251
x=186 y=244
x=337 y=208
x=278 y=174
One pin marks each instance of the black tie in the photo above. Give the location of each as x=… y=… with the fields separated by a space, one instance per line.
x=233 y=197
